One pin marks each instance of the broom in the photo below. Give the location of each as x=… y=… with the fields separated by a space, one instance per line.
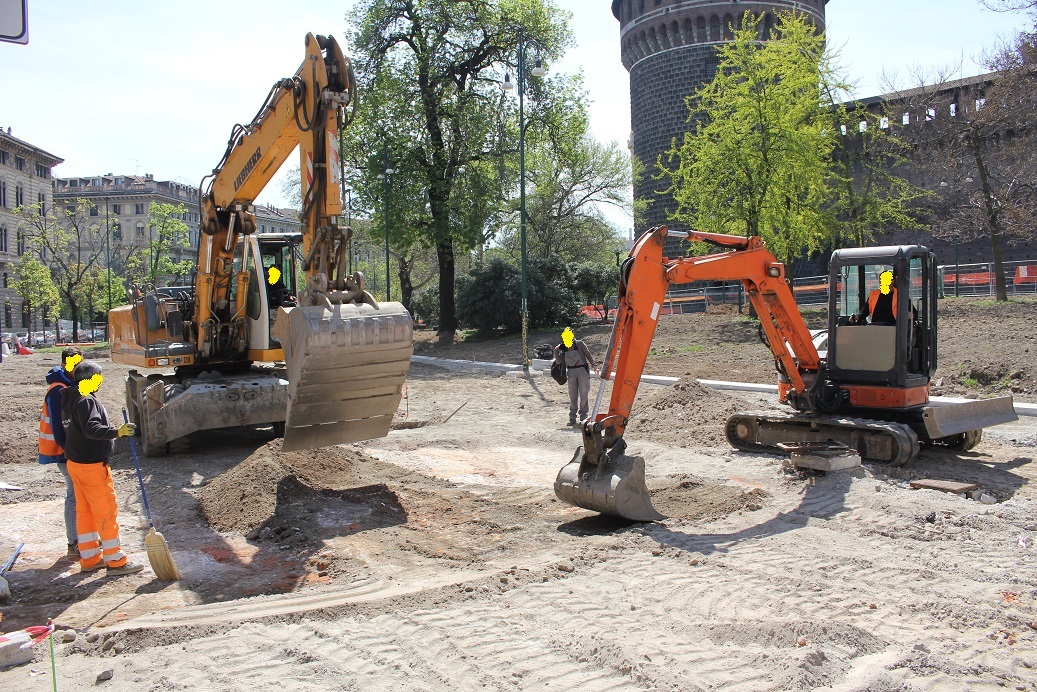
x=158 y=552
x=5 y=588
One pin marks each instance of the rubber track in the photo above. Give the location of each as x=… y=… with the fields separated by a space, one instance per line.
x=904 y=440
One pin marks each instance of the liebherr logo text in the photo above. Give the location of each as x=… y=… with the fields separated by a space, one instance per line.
x=249 y=165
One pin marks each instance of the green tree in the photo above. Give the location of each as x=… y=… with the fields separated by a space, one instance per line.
x=94 y=293
x=758 y=158
x=160 y=259
x=69 y=244
x=596 y=284
x=433 y=108
x=491 y=299
x=570 y=178
x=36 y=287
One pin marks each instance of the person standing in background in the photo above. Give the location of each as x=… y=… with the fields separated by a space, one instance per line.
x=578 y=363
x=52 y=436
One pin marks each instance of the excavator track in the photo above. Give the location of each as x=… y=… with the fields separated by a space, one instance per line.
x=891 y=444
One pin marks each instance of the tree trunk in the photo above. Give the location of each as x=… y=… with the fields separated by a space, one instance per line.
x=406 y=287
x=992 y=222
x=447 y=307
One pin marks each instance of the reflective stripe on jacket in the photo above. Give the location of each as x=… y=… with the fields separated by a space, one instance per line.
x=48 y=445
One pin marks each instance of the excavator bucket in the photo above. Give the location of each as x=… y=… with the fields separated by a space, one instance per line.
x=612 y=486
x=966 y=416
x=346 y=368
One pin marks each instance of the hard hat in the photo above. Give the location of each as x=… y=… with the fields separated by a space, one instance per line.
x=568 y=337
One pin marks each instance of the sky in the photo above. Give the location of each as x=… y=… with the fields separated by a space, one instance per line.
x=131 y=87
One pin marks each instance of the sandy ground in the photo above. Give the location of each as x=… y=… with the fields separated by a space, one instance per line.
x=438 y=558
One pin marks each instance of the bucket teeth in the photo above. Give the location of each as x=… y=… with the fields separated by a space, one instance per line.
x=613 y=486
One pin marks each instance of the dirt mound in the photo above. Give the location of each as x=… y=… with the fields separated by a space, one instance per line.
x=685 y=415
x=247 y=495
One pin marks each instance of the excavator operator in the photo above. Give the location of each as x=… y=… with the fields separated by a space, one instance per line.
x=882 y=302
x=278 y=295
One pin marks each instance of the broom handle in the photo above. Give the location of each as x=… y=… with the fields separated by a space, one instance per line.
x=136 y=464
x=10 y=562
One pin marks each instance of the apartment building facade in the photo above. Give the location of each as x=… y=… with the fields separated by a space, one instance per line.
x=25 y=178
x=120 y=207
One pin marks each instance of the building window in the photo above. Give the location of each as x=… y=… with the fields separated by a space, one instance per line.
x=4 y=157
x=138 y=209
x=3 y=246
x=20 y=242
x=116 y=209
x=19 y=196
x=140 y=230
x=93 y=211
x=7 y=284
x=42 y=171
x=8 y=319
x=117 y=230
x=41 y=199
x=3 y=193
x=19 y=163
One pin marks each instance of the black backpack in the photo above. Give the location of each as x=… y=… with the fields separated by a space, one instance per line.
x=558 y=370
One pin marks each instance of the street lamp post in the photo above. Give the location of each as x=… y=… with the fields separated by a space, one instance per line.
x=385 y=177
x=108 y=251
x=520 y=77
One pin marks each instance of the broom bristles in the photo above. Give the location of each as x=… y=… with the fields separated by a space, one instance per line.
x=159 y=556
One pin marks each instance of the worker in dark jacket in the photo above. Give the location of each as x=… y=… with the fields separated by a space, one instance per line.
x=882 y=302
x=52 y=436
x=578 y=364
x=89 y=444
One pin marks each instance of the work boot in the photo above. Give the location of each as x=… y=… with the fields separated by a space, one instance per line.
x=128 y=568
x=73 y=550
x=91 y=568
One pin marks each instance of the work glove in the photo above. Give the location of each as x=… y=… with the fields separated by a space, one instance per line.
x=127 y=430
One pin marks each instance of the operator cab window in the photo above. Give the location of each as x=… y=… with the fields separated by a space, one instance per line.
x=865 y=336
x=282 y=292
x=858 y=283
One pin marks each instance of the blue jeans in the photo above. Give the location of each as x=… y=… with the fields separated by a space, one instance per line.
x=70 y=505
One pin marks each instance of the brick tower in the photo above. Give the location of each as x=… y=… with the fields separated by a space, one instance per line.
x=669 y=48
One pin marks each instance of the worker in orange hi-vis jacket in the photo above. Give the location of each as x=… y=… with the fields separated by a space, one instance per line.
x=89 y=444
x=52 y=436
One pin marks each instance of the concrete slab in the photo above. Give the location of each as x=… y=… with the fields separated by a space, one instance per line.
x=821 y=456
x=943 y=486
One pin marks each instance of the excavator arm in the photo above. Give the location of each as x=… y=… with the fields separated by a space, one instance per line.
x=304 y=111
x=605 y=478
x=646 y=278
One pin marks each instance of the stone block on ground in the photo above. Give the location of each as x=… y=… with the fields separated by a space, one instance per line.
x=821 y=456
x=943 y=486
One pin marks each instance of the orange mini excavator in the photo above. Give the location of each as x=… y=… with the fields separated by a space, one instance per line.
x=863 y=382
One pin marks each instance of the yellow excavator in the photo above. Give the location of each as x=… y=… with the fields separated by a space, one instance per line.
x=272 y=330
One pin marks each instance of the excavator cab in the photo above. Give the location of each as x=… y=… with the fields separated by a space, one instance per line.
x=882 y=335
